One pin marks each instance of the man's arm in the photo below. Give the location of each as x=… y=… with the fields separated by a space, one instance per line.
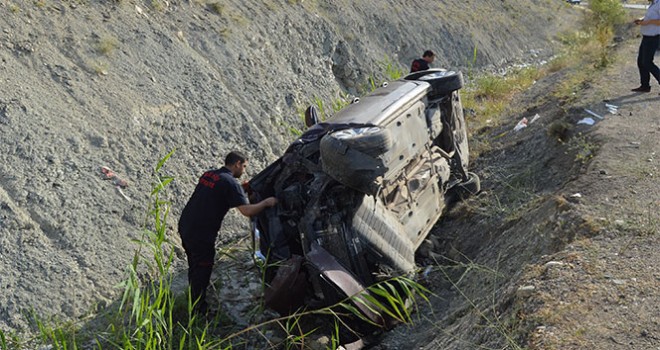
x=642 y=22
x=254 y=209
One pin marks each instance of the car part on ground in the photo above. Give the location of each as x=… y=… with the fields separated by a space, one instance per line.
x=359 y=193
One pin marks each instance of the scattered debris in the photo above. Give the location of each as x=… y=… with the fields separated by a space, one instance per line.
x=535 y=118
x=123 y=194
x=140 y=12
x=108 y=174
x=521 y=124
x=554 y=263
x=587 y=121
x=612 y=108
x=525 y=291
x=427 y=271
x=576 y=195
x=593 y=113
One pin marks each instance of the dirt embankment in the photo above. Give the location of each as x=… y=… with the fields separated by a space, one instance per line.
x=87 y=84
x=559 y=251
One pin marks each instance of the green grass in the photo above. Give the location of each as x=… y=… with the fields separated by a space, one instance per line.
x=489 y=97
x=583 y=53
x=582 y=147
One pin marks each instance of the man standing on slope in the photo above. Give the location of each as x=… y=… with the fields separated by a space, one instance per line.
x=650 y=29
x=216 y=192
x=422 y=63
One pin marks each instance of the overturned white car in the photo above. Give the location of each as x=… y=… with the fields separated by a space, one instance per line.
x=360 y=192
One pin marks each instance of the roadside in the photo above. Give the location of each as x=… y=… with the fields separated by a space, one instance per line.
x=559 y=251
x=606 y=294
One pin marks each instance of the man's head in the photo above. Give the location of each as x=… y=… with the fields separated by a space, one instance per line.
x=236 y=162
x=428 y=56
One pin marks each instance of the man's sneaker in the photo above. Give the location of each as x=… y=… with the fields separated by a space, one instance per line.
x=642 y=89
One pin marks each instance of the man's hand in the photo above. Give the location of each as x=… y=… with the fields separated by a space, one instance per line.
x=255 y=209
x=638 y=21
x=270 y=201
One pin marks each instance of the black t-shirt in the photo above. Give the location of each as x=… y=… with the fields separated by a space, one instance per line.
x=216 y=192
x=419 y=64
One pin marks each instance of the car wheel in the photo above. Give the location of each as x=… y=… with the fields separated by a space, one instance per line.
x=442 y=81
x=370 y=140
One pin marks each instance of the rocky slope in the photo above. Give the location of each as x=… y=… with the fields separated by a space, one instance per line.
x=87 y=84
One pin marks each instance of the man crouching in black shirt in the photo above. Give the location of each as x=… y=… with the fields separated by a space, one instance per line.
x=216 y=192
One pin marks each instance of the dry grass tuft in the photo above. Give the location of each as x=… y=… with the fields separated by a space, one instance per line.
x=107 y=44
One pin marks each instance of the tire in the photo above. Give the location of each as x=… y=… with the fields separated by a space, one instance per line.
x=371 y=140
x=442 y=81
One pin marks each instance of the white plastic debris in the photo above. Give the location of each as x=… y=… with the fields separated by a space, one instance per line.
x=535 y=118
x=525 y=291
x=613 y=109
x=521 y=124
x=122 y=193
x=587 y=121
x=427 y=271
x=554 y=263
x=576 y=195
x=140 y=12
x=593 y=113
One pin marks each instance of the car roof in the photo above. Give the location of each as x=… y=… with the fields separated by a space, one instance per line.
x=383 y=104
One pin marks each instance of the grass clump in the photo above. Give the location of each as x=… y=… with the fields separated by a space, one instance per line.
x=107 y=44
x=488 y=96
x=560 y=130
x=583 y=148
x=158 y=5
x=217 y=8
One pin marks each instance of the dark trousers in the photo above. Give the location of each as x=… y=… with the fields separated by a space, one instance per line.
x=645 y=60
x=200 y=265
